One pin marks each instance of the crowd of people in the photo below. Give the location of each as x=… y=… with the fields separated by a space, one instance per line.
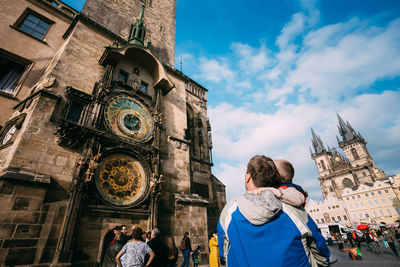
x=140 y=249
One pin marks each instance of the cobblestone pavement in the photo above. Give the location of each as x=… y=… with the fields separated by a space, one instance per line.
x=369 y=259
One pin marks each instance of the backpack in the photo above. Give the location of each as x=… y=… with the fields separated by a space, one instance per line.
x=182 y=246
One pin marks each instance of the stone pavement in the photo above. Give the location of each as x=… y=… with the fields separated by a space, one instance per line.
x=369 y=259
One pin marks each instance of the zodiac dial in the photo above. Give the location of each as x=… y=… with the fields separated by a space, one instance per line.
x=128 y=118
x=120 y=179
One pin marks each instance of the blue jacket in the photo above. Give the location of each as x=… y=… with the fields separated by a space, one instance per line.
x=262 y=231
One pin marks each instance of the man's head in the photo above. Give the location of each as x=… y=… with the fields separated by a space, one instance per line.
x=261 y=172
x=285 y=170
x=124 y=230
x=154 y=233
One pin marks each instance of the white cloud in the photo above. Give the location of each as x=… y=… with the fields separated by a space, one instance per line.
x=270 y=100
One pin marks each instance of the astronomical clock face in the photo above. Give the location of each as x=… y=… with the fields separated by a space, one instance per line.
x=128 y=118
x=121 y=180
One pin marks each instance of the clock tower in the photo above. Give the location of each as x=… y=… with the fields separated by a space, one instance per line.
x=109 y=134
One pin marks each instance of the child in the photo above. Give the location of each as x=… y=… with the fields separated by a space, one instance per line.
x=287 y=192
x=195 y=256
x=294 y=195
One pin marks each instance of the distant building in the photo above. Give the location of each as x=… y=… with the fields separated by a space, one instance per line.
x=353 y=182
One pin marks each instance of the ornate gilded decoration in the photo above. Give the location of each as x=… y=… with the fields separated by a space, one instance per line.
x=121 y=180
x=128 y=118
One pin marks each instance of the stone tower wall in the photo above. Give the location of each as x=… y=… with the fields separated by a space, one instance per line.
x=159 y=19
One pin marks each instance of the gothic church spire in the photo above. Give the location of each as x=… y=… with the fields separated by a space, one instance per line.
x=317 y=143
x=346 y=131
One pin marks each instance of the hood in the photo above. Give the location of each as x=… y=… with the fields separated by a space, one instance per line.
x=259 y=209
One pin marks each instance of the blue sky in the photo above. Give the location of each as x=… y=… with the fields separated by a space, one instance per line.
x=276 y=68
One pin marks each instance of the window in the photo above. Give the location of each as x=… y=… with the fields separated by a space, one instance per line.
x=355 y=154
x=379 y=192
x=372 y=194
x=366 y=194
x=386 y=191
x=34 y=24
x=329 y=207
x=12 y=69
x=350 y=206
x=317 y=221
x=366 y=215
x=362 y=204
x=123 y=76
x=333 y=219
x=322 y=221
x=360 y=215
x=337 y=206
x=143 y=87
x=375 y=213
x=397 y=210
x=317 y=209
x=345 y=217
x=376 y=202
x=323 y=165
x=356 y=204
x=353 y=197
x=389 y=211
x=355 y=216
x=391 y=200
x=339 y=219
x=347 y=198
x=358 y=196
x=370 y=203
x=383 y=201
x=381 y=212
x=74 y=111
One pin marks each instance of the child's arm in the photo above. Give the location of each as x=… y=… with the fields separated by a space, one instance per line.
x=289 y=195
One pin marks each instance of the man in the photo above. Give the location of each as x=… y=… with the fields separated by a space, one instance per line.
x=260 y=230
x=159 y=248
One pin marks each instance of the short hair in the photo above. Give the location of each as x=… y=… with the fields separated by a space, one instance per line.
x=137 y=233
x=263 y=171
x=155 y=232
x=186 y=233
x=122 y=226
x=285 y=170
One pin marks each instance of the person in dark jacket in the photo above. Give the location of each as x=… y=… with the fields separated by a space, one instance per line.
x=112 y=251
x=186 y=248
x=159 y=248
x=350 y=239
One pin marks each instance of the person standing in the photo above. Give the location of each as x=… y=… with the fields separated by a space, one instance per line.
x=350 y=239
x=356 y=239
x=159 y=248
x=112 y=251
x=172 y=256
x=390 y=240
x=214 y=260
x=370 y=239
x=135 y=251
x=186 y=248
x=195 y=256
x=339 y=240
x=260 y=230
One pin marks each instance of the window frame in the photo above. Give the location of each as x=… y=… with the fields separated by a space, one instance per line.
x=19 y=60
x=21 y=19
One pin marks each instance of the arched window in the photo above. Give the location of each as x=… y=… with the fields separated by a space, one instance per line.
x=323 y=165
x=355 y=154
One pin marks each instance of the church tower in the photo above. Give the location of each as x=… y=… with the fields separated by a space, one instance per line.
x=321 y=156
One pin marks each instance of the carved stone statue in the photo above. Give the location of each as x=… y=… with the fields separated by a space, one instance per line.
x=93 y=163
x=155 y=182
x=78 y=167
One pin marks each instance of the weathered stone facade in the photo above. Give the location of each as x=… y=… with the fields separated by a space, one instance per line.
x=61 y=148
